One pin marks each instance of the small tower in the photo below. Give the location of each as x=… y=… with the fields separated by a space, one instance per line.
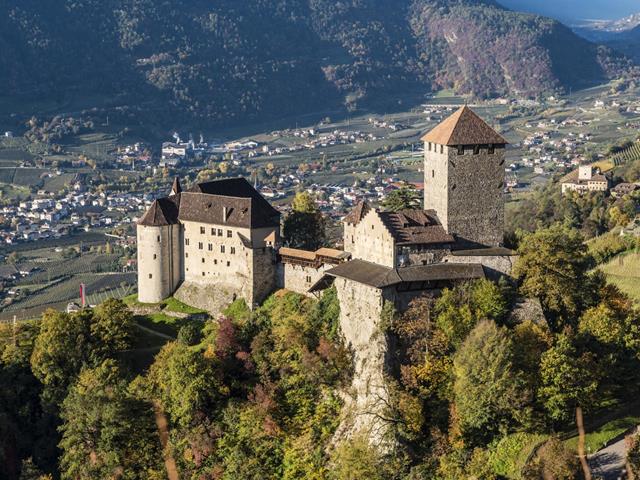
x=159 y=251
x=464 y=178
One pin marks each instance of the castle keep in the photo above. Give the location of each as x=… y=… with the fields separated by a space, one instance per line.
x=220 y=241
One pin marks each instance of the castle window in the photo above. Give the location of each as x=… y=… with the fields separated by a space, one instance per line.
x=429 y=146
x=441 y=148
x=215 y=262
x=202 y=230
x=229 y=234
x=158 y=238
x=203 y=260
x=460 y=149
x=308 y=279
x=219 y=232
x=213 y=232
x=221 y=248
x=186 y=255
x=492 y=149
x=228 y=264
x=203 y=274
x=186 y=241
x=210 y=247
x=150 y=276
x=433 y=173
x=155 y=256
x=233 y=250
x=200 y=246
x=476 y=150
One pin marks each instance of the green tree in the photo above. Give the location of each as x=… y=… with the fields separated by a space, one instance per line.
x=406 y=197
x=569 y=379
x=305 y=226
x=488 y=392
x=459 y=309
x=111 y=329
x=553 y=267
x=106 y=433
x=68 y=342
x=356 y=459
x=185 y=382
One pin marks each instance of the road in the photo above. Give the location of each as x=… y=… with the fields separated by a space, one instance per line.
x=609 y=463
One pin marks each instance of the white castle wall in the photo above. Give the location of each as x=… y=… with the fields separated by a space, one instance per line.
x=159 y=262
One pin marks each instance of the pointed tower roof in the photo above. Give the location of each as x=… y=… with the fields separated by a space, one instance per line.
x=464 y=127
x=176 y=188
x=358 y=213
x=163 y=212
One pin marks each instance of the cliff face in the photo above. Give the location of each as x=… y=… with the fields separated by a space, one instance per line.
x=227 y=61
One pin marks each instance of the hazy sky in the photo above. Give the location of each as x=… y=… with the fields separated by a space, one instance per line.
x=576 y=9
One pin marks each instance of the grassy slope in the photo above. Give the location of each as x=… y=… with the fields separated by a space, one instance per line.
x=624 y=271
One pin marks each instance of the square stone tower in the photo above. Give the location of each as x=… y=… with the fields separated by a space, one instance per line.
x=464 y=178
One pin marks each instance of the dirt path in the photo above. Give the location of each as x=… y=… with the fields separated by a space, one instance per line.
x=163 y=431
x=155 y=332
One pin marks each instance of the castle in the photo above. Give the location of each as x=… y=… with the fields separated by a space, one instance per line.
x=222 y=238
x=220 y=241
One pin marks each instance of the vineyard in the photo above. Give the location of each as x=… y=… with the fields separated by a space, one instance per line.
x=57 y=294
x=627 y=155
x=51 y=270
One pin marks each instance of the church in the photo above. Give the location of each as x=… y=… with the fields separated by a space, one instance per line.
x=220 y=240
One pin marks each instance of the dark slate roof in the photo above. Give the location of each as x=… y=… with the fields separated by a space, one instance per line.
x=366 y=273
x=358 y=213
x=205 y=202
x=208 y=203
x=415 y=227
x=379 y=276
x=464 y=127
x=163 y=211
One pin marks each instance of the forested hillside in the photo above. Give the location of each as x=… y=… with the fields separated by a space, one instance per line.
x=228 y=61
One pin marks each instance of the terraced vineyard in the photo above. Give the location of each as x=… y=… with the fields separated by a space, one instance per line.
x=627 y=155
x=99 y=286
x=51 y=270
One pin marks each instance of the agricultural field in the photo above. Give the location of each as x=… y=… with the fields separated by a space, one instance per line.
x=56 y=294
x=624 y=271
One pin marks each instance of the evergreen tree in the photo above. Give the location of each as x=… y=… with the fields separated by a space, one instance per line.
x=406 y=197
x=305 y=226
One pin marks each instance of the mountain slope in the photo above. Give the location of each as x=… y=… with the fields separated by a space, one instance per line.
x=228 y=61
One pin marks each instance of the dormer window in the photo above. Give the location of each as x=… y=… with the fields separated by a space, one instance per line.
x=492 y=149
x=476 y=150
x=460 y=149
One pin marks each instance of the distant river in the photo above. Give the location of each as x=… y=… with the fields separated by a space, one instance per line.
x=573 y=10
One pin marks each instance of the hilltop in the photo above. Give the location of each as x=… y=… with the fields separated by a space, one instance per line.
x=229 y=62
